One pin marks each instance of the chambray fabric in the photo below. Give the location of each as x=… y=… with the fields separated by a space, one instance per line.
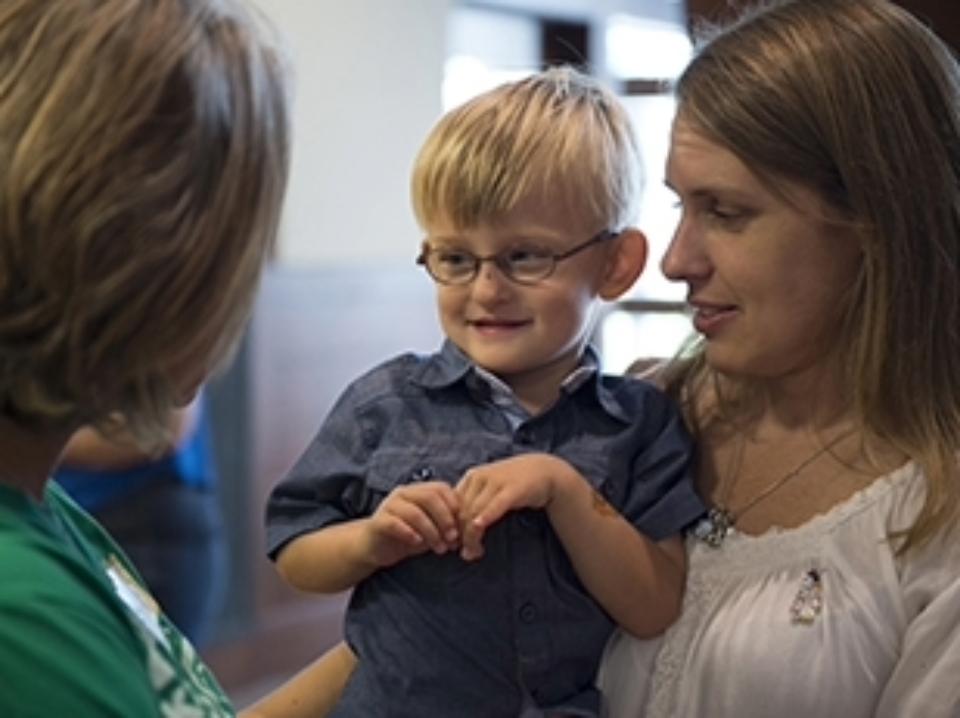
x=514 y=633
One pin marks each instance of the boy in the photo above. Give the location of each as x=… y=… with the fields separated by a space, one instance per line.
x=499 y=505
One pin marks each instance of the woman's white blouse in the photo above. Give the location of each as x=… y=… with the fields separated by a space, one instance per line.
x=883 y=641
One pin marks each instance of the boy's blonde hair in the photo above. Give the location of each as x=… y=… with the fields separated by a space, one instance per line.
x=143 y=159
x=559 y=132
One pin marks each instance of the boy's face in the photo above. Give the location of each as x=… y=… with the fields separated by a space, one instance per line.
x=529 y=335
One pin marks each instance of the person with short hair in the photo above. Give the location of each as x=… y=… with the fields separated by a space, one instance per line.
x=498 y=506
x=143 y=162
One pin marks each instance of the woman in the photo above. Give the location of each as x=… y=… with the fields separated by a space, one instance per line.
x=816 y=157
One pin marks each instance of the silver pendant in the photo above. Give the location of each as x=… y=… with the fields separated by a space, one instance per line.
x=713 y=528
x=808 y=603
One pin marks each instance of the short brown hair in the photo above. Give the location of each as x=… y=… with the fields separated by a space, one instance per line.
x=143 y=161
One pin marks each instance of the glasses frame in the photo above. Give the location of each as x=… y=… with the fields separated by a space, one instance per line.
x=500 y=261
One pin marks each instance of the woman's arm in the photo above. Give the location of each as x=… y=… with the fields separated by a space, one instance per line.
x=924 y=681
x=312 y=692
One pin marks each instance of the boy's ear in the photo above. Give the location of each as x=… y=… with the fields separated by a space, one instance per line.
x=625 y=263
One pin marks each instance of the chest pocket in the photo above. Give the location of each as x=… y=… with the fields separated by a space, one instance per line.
x=393 y=468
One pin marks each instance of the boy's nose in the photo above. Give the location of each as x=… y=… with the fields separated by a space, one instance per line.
x=490 y=282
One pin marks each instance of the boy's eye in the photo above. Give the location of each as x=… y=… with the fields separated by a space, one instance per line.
x=526 y=256
x=454 y=258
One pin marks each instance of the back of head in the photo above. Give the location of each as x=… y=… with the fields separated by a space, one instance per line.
x=859 y=101
x=559 y=132
x=143 y=158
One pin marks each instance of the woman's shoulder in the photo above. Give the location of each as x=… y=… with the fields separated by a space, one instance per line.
x=60 y=626
x=53 y=557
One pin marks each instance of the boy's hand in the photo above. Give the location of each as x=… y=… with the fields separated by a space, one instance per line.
x=413 y=519
x=489 y=491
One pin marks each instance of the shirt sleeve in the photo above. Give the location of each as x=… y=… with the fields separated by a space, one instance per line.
x=924 y=680
x=662 y=499
x=326 y=485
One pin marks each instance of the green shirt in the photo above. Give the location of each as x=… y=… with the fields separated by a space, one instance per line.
x=79 y=635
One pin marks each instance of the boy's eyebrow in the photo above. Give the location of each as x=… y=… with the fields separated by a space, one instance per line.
x=538 y=232
x=523 y=234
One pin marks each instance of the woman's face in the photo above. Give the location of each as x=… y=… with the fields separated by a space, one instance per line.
x=766 y=278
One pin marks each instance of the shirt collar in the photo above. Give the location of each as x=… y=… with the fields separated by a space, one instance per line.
x=450 y=366
x=445 y=368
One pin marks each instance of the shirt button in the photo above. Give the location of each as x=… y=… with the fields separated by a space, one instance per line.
x=525 y=436
x=421 y=473
x=528 y=613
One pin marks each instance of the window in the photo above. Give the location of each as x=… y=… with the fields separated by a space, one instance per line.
x=487 y=48
x=645 y=56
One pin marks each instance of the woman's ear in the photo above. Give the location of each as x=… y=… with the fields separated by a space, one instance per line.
x=625 y=263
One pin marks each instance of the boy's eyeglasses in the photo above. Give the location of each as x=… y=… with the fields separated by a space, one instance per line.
x=524 y=265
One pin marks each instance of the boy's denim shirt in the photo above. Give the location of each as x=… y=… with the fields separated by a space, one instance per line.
x=514 y=633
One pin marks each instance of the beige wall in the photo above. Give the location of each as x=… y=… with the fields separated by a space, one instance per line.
x=367 y=91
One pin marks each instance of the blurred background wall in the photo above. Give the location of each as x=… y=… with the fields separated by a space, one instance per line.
x=343 y=293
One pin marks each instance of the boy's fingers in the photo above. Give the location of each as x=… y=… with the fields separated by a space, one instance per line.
x=471 y=547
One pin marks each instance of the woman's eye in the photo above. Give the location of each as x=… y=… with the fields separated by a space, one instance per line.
x=721 y=213
x=727 y=217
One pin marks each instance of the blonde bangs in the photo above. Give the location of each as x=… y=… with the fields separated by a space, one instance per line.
x=558 y=133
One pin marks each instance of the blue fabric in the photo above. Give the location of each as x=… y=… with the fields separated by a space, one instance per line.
x=516 y=631
x=191 y=464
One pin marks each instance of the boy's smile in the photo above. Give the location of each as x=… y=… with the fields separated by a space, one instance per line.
x=493 y=327
x=530 y=335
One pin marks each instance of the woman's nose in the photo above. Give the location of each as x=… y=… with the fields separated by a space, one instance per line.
x=685 y=258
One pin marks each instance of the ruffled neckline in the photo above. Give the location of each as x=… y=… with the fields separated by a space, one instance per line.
x=778 y=543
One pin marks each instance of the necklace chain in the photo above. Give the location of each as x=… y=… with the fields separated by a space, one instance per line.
x=720 y=520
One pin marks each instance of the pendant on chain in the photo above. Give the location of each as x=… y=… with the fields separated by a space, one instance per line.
x=719 y=521
x=808 y=603
x=713 y=528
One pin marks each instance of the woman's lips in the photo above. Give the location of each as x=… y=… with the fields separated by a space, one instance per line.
x=708 y=319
